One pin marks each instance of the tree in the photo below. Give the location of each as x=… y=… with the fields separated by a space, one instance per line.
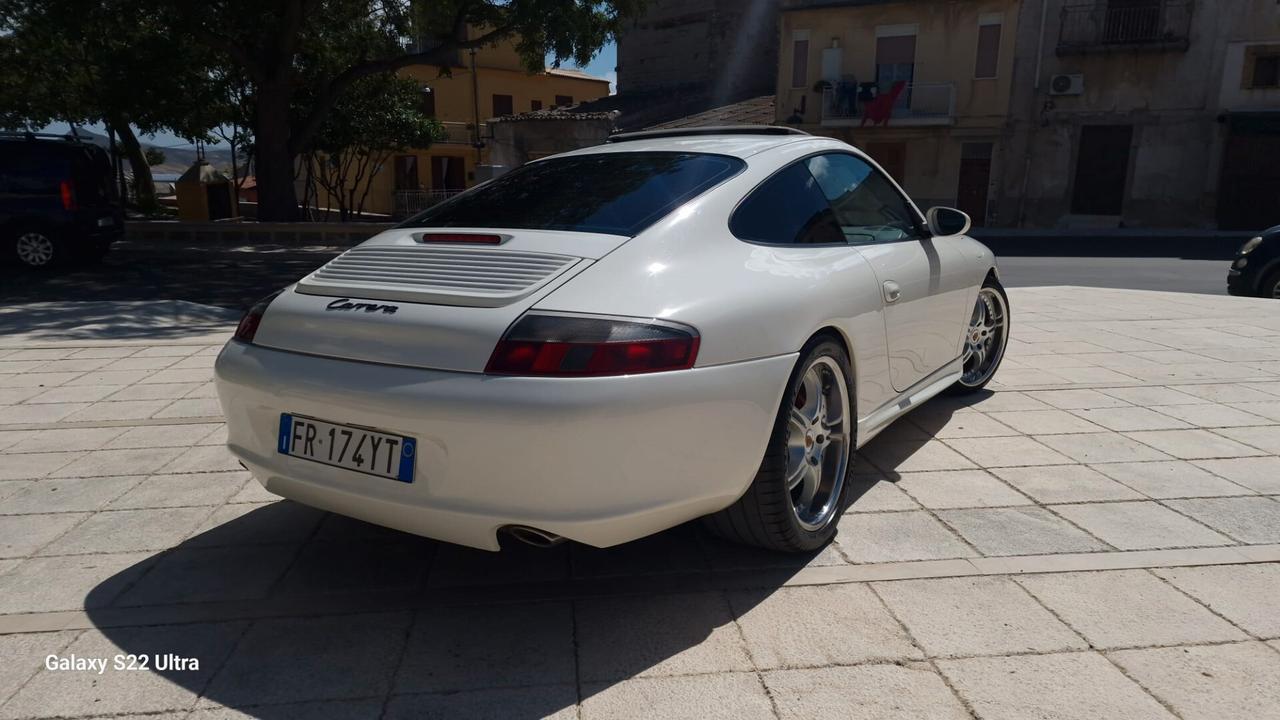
x=155 y=156
x=378 y=116
x=90 y=61
x=321 y=49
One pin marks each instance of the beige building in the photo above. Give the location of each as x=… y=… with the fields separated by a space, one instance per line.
x=488 y=83
x=1151 y=113
x=922 y=85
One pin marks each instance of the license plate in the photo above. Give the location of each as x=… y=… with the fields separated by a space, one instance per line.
x=352 y=448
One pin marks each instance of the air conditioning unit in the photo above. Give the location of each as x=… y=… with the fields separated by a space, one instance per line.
x=1066 y=85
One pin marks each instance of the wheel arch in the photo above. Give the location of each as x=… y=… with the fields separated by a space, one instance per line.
x=841 y=338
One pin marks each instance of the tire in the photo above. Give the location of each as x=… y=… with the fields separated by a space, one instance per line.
x=37 y=249
x=773 y=513
x=986 y=338
x=1270 y=285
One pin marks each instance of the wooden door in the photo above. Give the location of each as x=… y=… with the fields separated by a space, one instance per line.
x=1102 y=166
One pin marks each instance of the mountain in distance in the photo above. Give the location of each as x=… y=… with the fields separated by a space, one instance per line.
x=176 y=160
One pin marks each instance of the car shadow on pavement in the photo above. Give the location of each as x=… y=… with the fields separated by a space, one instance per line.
x=284 y=605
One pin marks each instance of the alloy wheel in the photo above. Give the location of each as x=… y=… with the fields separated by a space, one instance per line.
x=986 y=338
x=818 y=440
x=35 y=249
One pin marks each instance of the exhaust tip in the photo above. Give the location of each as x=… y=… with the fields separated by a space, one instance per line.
x=533 y=536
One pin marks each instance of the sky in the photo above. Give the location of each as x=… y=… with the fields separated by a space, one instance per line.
x=601 y=66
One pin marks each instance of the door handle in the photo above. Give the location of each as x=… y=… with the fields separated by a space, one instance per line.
x=892 y=292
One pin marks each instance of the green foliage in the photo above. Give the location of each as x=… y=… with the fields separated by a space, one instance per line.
x=155 y=156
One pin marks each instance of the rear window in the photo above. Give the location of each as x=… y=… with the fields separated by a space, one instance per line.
x=614 y=193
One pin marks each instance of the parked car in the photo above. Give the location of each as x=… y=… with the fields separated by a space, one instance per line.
x=606 y=343
x=57 y=200
x=1256 y=270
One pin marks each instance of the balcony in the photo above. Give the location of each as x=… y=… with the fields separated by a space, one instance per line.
x=460 y=133
x=412 y=202
x=918 y=105
x=1125 y=26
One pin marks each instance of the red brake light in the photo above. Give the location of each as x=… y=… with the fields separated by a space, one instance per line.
x=575 y=346
x=248 y=326
x=68 y=195
x=464 y=238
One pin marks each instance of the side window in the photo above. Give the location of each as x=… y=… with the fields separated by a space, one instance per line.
x=787 y=209
x=868 y=208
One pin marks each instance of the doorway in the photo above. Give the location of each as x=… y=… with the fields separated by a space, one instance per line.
x=1102 y=166
x=1249 y=188
x=975 y=181
x=448 y=173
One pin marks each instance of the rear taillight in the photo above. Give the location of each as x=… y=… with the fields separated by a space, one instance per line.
x=579 y=346
x=248 y=326
x=68 y=194
x=463 y=238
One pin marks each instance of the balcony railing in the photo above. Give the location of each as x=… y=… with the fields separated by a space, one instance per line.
x=847 y=103
x=460 y=133
x=1125 y=25
x=411 y=202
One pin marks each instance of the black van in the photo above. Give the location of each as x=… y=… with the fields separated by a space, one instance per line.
x=57 y=200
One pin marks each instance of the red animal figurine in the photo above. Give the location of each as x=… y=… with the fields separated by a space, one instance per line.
x=879 y=109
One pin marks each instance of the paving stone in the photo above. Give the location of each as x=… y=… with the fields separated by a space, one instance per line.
x=1132 y=418
x=172 y=375
x=277 y=522
x=64 y=495
x=118 y=531
x=22 y=535
x=975 y=616
x=157 y=391
x=157 y=436
x=325 y=568
x=24 y=655
x=897 y=536
x=1045 y=422
x=1101 y=448
x=900 y=457
x=1065 y=483
x=1207 y=683
x=551 y=702
x=474 y=648
x=15 y=395
x=75 y=394
x=457 y=566
x=189 y=574
x=1019 y=531
x=1193 y=444
x=1254 y=520
x=629 y=637
x=664 y=553
x=317 y=658
x=724 y=555
x=733 y=696
x=118 y=462
x=40 y=354
x=123 y=410
x=66 y=439
x=873 y=493
x=182 y=490
x=1225 y=392
x=38 y=414
x=907 y=691
x=104 y=352
x=1127 y=608
x=1140 y=525
x=960 y=488
x=1267 y=412
x=110 y=377
x=203 y=458
x=32 y=466
x=12 y=487
x=1244 y=594
x=64 y=693
x=1170 y=479
x=47 y=584
x=1007 y=401
x=191 y=407
x=1258 y=474
x=1077 y=399
x=1266 y=439
x=21 y=378
x=960 y=424
x=1007 y=452
x=794 y=627
x=141 y=363
x=1212 y=415
x=325 y=710
x=1152 y=395
x=253 y=492
x=1068 y=686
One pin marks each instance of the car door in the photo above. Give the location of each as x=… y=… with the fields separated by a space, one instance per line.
x=923 y=286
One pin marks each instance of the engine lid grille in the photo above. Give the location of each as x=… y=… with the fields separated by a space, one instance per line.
x=443 y=275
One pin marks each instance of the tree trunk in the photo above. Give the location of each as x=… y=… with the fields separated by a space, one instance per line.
x=144 y=187
x=277 y=198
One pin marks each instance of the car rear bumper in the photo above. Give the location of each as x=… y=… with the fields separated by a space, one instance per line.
x=597 y=460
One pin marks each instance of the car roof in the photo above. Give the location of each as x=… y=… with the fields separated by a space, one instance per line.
x=740 y=145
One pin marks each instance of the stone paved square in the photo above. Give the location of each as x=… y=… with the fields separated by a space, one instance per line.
x=1096 y=535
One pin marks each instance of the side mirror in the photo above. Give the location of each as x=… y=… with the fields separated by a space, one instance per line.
x=946 y=222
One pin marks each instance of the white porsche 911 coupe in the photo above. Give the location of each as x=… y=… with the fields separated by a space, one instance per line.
x=606 y=343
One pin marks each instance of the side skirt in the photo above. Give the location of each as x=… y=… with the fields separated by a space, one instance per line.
x=871 y=425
